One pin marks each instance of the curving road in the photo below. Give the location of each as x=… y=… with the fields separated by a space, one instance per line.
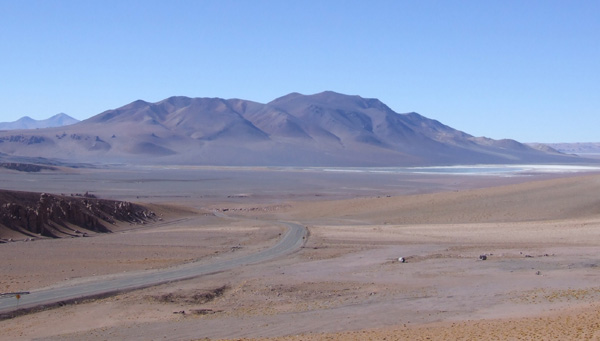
x=291 y=241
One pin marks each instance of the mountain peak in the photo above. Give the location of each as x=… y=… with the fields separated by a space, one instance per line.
x=287 y=97
x=24 y=119
x=27 y=122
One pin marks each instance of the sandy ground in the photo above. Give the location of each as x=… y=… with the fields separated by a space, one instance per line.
x=540 y=279
x=190 y=238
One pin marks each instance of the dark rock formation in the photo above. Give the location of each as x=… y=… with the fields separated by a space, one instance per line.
x=26 y=167
x=24 y=139
x=55 y=216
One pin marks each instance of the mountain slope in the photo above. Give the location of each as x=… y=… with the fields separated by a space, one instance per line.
x=27 y=122
x=325 y=129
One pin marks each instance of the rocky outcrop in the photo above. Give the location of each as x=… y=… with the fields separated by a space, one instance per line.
x=24 y=139
x=55 y=216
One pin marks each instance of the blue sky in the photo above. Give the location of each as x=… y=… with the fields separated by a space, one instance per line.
x=527 y=70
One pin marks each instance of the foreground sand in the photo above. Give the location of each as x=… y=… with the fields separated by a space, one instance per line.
x=582 y=323
x=540 y=279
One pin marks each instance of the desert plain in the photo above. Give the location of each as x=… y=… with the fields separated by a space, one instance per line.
x=539 y=233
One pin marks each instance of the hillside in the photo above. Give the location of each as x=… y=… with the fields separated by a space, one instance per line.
x=325 y=129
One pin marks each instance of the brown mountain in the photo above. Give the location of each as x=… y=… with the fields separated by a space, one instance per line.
x=325 y=129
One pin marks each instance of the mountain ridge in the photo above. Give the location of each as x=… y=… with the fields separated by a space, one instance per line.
x=580 y=148
x=27 y=122
x=323 y=129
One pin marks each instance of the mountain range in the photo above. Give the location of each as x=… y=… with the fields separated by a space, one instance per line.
x=590 y=148
x=27 y=122
x=324 y=129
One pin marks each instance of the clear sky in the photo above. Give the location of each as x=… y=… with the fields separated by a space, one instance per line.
x=527 y=70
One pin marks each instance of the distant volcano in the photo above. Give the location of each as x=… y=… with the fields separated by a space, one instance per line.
x=27 y=122
x=325 y=129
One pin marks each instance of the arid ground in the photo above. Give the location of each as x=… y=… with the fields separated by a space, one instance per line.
x=539 y=233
